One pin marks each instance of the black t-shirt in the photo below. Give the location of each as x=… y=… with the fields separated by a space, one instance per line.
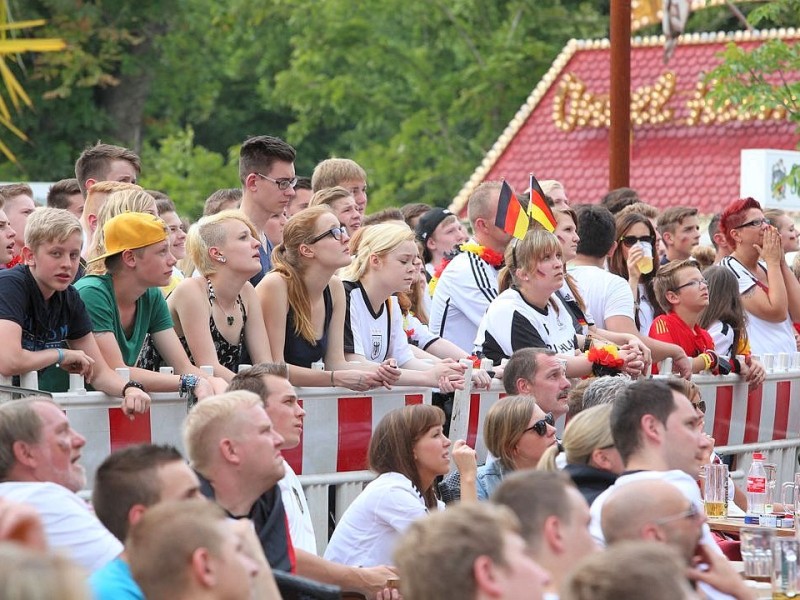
x=269 y=518
x=44 y=324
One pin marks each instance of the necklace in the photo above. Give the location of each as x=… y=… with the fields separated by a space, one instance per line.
x=212 y=297
x=489 y=256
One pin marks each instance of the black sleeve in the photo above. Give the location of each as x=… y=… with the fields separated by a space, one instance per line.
x=13 y=300
x=349 y=344
x=524 y=334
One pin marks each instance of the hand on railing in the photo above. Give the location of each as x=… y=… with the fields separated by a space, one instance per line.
x=753 y=373
x=78 y=362
x=359 y=381
x=135 y=402
x=388 y=372
x=481 y=379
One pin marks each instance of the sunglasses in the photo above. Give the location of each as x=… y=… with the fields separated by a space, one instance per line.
x=631 y=240
x=335 y=232
x=540 y=427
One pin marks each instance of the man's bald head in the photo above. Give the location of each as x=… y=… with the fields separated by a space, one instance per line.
x=631 y=509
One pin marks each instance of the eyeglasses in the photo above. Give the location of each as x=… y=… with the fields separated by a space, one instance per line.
x=753 y=223
x=697 y=282
x=701 y=406
x=630 y=240
x=690 y=513
x=283 y=184
x=336 y=233
x=540 y=426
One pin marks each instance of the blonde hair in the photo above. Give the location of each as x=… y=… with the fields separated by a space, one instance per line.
x=122 y=201
x=374 y=240
x=210 y=420
x=291 y=265
x=524 y=254
x=586 y=432
x=548 y=185
x=333 y=171
x=328 y=196
x=504 y=425
x=29 y=575
x=48 y=225
x=208 y=233
x=97 y=195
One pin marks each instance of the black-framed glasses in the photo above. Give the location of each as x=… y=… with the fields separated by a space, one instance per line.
x=692 y=283
x=336 y=233
x=540 y=427
x=701 y=406
x=690 y=513
x=631 y=240
x=283 y=184
x=754 y=223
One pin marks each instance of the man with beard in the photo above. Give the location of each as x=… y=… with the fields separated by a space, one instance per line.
x=537 y=372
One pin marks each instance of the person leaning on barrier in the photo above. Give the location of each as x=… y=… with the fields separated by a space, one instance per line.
x=44 y=323
x=469 y=552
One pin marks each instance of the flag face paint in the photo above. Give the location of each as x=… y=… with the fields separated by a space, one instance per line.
x=511 y=218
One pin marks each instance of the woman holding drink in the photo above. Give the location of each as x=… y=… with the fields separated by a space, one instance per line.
x=633 y=260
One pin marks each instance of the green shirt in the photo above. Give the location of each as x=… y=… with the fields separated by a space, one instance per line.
x=152 y=314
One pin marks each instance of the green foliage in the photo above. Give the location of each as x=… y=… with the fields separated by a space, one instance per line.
x=187 y=173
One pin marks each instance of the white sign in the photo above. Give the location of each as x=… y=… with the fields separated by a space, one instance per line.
x=761 y=170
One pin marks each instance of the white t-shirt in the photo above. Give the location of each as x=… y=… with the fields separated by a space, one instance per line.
x=605 y=294
x=68 y=523
x=375 y=336
x=512 y=323
x=764 y=336
x=646 y=312
x=370 y=527
x=462 y=295
x=294 y=503
x=417 y=332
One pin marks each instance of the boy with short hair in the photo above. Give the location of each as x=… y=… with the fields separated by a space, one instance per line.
x=44 y=324
x=441 y=233
x=680 y=232
x=125 y=304
x=345 y=173
x=682 y=292
x=19 y=205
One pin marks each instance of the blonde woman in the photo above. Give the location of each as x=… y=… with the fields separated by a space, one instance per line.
x=385 y=260
x=134 y=200
x=306 y=303
x=217 y=316
x=593 y=462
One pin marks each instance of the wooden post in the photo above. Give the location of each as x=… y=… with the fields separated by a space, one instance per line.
x=620 y=95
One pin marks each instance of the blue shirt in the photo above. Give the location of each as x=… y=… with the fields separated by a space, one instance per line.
x=115 y=582
x=265 y=256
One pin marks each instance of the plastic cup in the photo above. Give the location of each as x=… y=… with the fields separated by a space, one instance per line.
x=645 y=263
x=716 y=491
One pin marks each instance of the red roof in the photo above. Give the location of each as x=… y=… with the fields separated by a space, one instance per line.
x=701 y=158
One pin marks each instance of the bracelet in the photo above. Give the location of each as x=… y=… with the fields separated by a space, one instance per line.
x=706 y=361
x=60 y=358
x=332 y=383
x=714 y=358
x=132 y=384
x=188 y=383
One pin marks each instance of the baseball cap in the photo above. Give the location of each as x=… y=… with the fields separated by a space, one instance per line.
x=130 y=231
x=428 y=222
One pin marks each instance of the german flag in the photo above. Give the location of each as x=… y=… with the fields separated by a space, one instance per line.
x=538 y=209
x=511 y=217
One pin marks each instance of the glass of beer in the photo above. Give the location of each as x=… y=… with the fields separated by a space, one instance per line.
x=785 y=571
x=716 y=491
x=645 y=263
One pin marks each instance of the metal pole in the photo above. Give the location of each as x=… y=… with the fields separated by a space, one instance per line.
x=619 y=134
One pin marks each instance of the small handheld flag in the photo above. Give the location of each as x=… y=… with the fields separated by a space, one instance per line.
x=538 y=209
x=511 y=217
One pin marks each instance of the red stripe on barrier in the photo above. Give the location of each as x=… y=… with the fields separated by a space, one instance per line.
x=783 y=397
x=355 y=429
x=294 y=456
x=753 y=419
x=474 y=414
x=126 y=432
x=413 y=399
x=722 y=415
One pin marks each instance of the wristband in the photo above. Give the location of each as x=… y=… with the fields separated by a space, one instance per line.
x=587 y=343
x=332 y=383
x=60 y=358
x=714 y=359
x=132 y=384
x=706 y=361
x=737 y=366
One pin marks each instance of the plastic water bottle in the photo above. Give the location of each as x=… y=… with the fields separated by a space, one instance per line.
x=757 y=486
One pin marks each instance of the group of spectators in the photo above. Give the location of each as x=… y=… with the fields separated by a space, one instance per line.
x=289 y=274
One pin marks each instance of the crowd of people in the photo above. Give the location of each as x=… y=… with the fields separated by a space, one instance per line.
x=288 y=282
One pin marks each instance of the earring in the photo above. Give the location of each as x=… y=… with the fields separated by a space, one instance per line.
x=222 y=259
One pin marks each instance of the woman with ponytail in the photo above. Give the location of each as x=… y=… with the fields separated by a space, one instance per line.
x=593 y=462
x=304 y=303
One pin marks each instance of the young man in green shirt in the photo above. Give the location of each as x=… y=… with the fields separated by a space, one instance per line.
x=125 y=304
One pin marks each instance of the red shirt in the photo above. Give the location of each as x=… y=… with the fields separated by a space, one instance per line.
x=674 y=330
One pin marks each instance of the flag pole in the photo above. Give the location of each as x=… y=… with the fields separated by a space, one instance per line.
x=619 y=135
